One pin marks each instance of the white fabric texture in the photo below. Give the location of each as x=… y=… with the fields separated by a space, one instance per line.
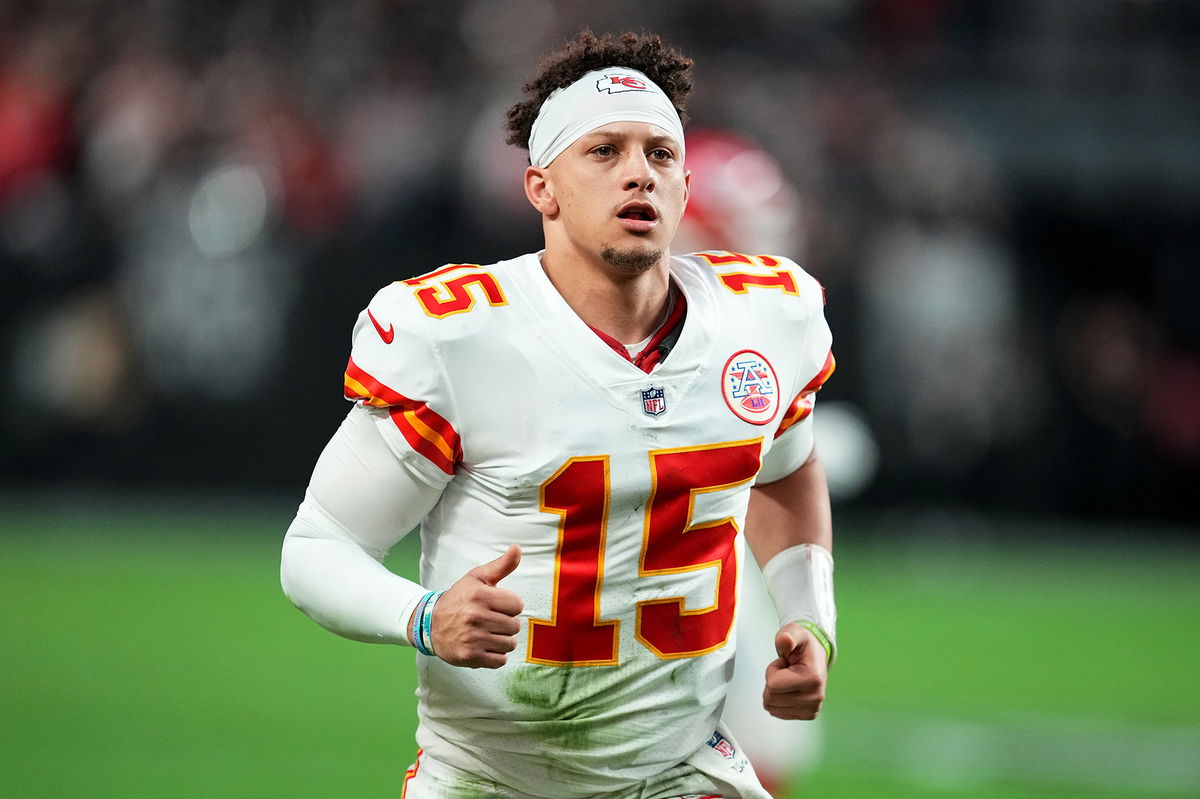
x=612 y=94
x=789 y=452
x=360 y=501
x=719 y=764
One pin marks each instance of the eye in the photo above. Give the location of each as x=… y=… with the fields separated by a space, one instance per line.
x=604 y=150
x=661 y=154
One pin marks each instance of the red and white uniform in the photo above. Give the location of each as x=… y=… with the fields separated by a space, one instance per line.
x=626 y=491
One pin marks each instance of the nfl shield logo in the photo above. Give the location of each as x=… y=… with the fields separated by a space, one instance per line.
x=722 y=745
x=654 y=401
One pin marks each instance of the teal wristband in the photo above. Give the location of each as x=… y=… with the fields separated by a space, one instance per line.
x=426 y=647
x=417 y=624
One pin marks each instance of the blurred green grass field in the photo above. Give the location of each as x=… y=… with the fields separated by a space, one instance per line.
x=151 y=654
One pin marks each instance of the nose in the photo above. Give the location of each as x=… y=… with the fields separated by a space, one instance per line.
x=638 y=172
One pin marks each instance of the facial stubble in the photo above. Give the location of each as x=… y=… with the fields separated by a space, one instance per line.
x=632 y=262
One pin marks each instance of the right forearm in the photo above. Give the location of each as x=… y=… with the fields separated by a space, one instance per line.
x=345 y=590
x=360 y=502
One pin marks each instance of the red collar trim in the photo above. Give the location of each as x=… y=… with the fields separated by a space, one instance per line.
x=649 y=357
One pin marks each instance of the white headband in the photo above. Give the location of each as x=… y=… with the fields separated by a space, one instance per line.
x=615 y=94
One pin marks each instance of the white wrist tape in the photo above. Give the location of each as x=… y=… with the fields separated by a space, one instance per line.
x=800 y=582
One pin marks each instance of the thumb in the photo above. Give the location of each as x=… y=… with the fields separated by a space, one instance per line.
x=788 y=641
x=496 y=570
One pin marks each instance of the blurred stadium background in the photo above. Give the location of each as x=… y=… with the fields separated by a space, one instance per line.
x=1001 y=199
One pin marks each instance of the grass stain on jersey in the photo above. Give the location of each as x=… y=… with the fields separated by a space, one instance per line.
x=542 y=687
x=461 y=791
x=573 y=702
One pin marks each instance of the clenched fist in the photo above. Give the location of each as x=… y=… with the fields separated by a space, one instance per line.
x=475 y=622
x=796 y=679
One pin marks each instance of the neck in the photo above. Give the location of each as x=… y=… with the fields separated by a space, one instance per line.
x=628 y=307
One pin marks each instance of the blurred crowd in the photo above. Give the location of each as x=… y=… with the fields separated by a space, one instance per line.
x=197 y=198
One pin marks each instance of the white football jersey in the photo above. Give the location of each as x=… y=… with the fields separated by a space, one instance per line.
x=626 y=492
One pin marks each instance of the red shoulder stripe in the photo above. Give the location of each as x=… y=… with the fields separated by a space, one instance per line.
x=427 y=432
x=802 y=406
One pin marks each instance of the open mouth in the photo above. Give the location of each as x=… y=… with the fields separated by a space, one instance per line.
x=638 y=212
x=638 y=218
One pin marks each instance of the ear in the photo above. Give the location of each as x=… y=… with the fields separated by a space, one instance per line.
x=687 y=186
x=539 y=191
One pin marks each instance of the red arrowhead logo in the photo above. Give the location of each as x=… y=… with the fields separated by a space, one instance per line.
x=386 y=335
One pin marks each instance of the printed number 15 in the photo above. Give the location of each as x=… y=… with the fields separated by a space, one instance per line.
x=673 y=542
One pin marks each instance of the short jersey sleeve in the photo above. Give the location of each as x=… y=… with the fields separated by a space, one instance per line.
x=794 y=437
x=394 y=366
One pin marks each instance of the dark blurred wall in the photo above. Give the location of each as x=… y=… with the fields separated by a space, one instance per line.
x=1000 y=197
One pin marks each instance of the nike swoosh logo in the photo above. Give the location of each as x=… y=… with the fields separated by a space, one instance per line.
x=386 y=335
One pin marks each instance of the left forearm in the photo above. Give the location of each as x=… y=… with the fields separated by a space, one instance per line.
x=791 y=511
x=789 y=529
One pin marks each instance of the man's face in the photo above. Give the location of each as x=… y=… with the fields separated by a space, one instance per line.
x=621 y=190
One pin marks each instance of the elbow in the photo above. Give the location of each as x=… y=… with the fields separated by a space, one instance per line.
x=289 y=573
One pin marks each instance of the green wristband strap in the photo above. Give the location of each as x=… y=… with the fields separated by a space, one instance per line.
x=822 y=639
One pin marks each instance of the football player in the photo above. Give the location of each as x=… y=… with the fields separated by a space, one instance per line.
x=590 y=437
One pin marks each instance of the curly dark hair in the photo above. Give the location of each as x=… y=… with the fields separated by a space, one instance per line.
x=670 y=70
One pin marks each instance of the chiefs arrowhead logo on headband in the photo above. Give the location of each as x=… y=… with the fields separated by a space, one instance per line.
x=620 y=94
x=621 y=83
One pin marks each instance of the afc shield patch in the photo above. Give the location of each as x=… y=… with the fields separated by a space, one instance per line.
x=654 y=401
x=750 y=387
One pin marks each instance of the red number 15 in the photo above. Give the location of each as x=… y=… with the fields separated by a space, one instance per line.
x=673 y=542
